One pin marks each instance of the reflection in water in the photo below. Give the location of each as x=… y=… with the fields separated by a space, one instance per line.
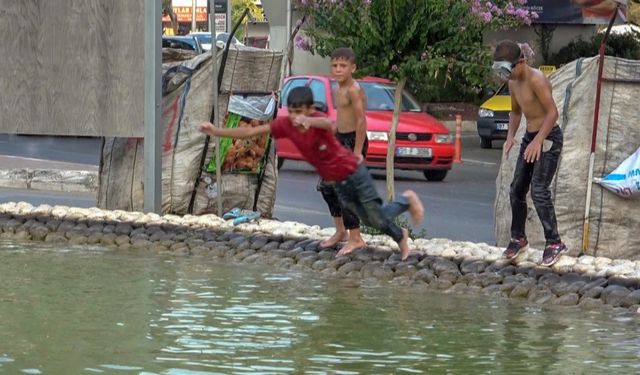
x=69 y=311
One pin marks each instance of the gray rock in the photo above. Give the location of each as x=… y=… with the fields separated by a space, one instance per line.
x=94 y=238
x=614 y=294
x=469 y=279
x=599 y=282
x=158 y=236
x=307 y=262
x=237 y=242
x=381 y=254
x=339 y=262
x=288 y=245
x=244 y=253
x=442 y=265
x=138 y=230
x=507 y=287
x=560 y=288
x=404 y=269
x=493 y=289
x=198 y=250
x=570 y=299
x=293 y=253
x=590 y=303
x=631 y=299
x=285 y=263
x=508 y=270
x=306 y=254
x=139 y=237
x=355 y=265
x=53 y=225
x=255 y=258
x=549 y=279
x=141 y=243
x=363 y=255
x=541 y=296
x=626 y=282
x=259 y=242
x=521 y=290
x=327 y=254
x=279 y=253
x=312 y=246
x=449 y=275
x=273 y=245
x=594 y=292
x=304 y=243
x=108 y=239
x=12 y=225
x=122 y=239
x=195 y=242
x=22 y=235
x=424 y=275
x=367 y=269
x=490 y=278
x=538 y=272
x=320 y=264
x=120 y=229
x=472 y=266
x=576 y=286
x=39 y=232
x=66 y=226
x=441 y=284
x=383 y=273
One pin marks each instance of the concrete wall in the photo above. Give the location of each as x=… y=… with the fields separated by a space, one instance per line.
x=72 y=67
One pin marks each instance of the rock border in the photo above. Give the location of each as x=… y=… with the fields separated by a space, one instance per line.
x=68 y=181
x=440 y=264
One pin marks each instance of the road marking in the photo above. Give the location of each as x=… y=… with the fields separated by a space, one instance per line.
x=479 y=162
x=299 y=209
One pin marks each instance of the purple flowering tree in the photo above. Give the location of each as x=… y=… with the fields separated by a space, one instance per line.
x=398 y=39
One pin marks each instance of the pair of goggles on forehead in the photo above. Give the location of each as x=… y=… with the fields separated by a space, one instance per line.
x=504 y=68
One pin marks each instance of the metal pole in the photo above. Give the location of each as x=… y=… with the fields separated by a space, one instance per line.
x=193 y=15
x=216 y=114
x=152 y=106
x=229 y=25
x=594 y=135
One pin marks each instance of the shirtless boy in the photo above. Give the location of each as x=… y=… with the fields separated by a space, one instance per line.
x=352 y=133
x=539 y=152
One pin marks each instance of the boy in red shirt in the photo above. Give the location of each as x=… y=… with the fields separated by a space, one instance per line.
x=313 y=134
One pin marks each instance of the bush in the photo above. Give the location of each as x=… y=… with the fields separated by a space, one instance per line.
x=619 y=45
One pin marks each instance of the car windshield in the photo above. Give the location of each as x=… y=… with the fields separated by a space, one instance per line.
x=204 y=38
x=380 y=97
x=503 y=90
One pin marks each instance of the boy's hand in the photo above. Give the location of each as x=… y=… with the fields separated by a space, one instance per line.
x=508 y=145
x=301 y=121
x=360 y=158
x=206 y=127
x=532 y=152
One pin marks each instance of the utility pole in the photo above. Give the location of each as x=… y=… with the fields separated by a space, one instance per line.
x=193 y=15
x=152 y=106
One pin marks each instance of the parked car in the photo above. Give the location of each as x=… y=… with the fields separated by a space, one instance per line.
x=182 y=42
x=204 y=39
x=493 y=117
x=422 y=142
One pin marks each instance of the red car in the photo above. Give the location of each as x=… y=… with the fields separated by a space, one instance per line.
x=422 y=143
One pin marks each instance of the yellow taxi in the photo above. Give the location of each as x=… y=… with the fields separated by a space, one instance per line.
x=493 y=115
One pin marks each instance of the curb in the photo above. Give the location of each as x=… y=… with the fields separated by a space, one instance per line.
x=468 y=126
x=50 y=180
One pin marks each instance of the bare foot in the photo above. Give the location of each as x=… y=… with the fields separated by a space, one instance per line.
x=415 y=206
x=333 y=240
x=350 y=246
x=404 y=244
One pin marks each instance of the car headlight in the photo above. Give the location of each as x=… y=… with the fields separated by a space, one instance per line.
x=444 y=138
x=483 y=112
x=377 y=136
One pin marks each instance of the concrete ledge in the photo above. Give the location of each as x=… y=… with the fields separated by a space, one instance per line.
x=437 y=264
x=73 y=181
x=468 y=126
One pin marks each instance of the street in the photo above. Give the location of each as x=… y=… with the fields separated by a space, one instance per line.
x=459 y=208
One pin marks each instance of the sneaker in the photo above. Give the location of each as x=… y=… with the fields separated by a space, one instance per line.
x=552 y=253
x=515 y=247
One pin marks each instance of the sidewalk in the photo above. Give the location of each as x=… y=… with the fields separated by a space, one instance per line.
x=47 y=175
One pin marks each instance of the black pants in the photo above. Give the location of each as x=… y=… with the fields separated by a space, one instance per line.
x=358 y=194
x=538 y=175
x=328 y=192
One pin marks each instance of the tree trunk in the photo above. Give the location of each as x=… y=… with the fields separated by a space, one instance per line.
x=392 y=139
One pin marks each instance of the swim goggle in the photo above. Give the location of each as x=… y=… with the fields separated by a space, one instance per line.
x=503 y=69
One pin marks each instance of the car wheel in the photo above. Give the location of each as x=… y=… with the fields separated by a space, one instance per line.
x=280 y=162
x=485 y=142
x=435 y=174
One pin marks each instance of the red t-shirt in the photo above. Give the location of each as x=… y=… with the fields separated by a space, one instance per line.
x=319 y=147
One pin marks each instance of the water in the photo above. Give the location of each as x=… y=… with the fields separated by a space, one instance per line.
x=91 y=311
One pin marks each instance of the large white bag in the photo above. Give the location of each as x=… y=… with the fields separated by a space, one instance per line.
x=624 y=180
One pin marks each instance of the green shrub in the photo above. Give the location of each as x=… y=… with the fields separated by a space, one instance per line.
x=620 y=45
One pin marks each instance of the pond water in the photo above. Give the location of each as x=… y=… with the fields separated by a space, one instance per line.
x=89 y=310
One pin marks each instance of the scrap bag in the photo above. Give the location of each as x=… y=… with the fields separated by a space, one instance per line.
x=624 y=180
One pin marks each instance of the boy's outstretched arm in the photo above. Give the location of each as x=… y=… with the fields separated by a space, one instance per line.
x=245 y=132
x=315 y=122
x=357 y=98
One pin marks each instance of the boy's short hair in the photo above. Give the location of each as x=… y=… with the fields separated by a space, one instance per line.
x=300 y=97
x=507 y=50
x=344 y=53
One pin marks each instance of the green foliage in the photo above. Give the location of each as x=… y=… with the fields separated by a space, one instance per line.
x=238 y=7
x=403 y=222
x=431 y=42
x=620 y=45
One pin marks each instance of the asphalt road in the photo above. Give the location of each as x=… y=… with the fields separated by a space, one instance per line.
x=459 y=208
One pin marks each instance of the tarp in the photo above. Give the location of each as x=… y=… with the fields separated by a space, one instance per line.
x=614 y=221
x=187 y=100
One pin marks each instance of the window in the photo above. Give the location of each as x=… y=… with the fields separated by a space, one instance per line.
x=319 y=92
x=299 y=82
